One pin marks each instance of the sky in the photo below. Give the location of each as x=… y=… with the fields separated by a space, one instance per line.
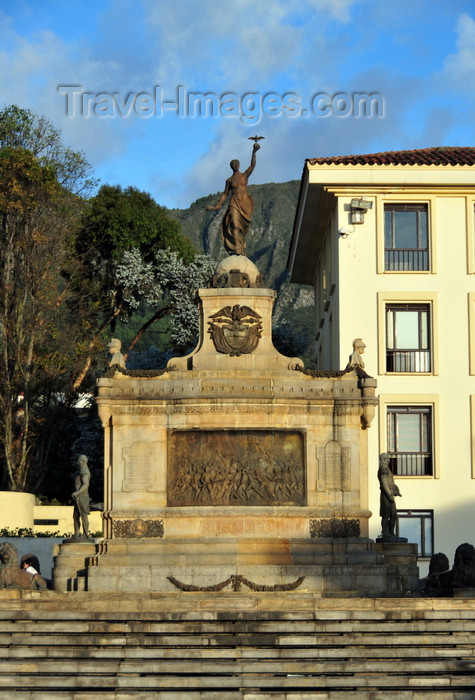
x=120 y=78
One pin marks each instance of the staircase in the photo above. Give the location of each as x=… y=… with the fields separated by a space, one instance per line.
x=234 y=645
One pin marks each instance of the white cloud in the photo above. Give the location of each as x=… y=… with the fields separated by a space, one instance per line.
x=30 y=72
x=256 y=42
x=460 y=67
x=336 y=9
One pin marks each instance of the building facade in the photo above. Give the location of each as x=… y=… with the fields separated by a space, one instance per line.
x=388 y=242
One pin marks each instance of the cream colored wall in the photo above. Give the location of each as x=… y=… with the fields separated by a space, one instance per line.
x=452 y=494
x=64 y=516
x=16 y=509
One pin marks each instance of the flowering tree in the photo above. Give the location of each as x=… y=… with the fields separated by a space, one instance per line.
x=123 y=228
x=168 y=284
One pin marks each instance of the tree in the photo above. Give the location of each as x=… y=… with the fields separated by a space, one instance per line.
x=293 y=334
x=167 y=284
x=116 y=222
x=22 y=128
x=39 y=208
x=36 y=216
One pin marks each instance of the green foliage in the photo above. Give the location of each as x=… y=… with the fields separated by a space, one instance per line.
x=120 y=219
x=168 y=284
x=28 y=532
x=24 y=129
x=38 y=216
x=293 y=335
x=116 y=222
x=24 y=183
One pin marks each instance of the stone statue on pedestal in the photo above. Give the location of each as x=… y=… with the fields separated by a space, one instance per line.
x=389 y=490
x=237 y=219
x=82 y=506
x=114 y=348
x=355 y=359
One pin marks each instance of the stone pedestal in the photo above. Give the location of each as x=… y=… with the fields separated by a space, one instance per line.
x=234 y=461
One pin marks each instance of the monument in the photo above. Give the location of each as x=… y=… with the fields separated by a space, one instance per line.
x=236 y=466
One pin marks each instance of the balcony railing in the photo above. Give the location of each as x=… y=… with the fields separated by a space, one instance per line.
x=410 y=464
x=408 y=361
x=406 y=259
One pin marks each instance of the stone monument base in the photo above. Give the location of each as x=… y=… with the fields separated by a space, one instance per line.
x=327 y=567
x=235 y=467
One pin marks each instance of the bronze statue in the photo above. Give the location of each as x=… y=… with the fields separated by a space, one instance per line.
x=389 y=490
x=237 y=219
x=442 y=580
x=80 y=496
x=12 y=576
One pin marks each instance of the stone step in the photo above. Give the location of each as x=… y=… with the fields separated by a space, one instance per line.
x=224 y=602
x=216 y=627
x=246 y=667
x=177 y=553
x=234 y=646
x=250 y=639
x=46 y=606
x=137 y=682
x=249 y=694
x=412 y=653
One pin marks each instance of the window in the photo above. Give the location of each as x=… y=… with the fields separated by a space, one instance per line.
x=408 y=338
x=406 y=237
x=418 y=527
x=409 y=440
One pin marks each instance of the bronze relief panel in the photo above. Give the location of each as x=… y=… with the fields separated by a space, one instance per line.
x=236 y=467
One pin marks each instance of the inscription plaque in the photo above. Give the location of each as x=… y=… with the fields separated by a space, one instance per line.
x=236 y=467
x=333 y=469
x=139 y=458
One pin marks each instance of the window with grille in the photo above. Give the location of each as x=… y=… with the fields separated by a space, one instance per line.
x=406 y=237
x=409 y=440
x=408 y=338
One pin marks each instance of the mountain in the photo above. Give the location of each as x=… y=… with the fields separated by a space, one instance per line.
x=268 y=240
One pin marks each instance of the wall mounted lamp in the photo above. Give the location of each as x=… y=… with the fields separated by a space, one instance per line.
x=358 y=208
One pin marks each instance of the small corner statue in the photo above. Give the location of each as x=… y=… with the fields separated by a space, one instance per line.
x=82 y=506
x=114 y=348
x=389 y=490
x=237 y=219
x=355 y=359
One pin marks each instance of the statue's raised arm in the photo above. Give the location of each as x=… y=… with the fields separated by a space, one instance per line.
x=237 y=219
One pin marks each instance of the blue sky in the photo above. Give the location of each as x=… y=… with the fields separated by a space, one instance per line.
x=417 y=57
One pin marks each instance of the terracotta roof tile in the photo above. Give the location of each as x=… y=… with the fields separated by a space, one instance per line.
x=441 y=155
